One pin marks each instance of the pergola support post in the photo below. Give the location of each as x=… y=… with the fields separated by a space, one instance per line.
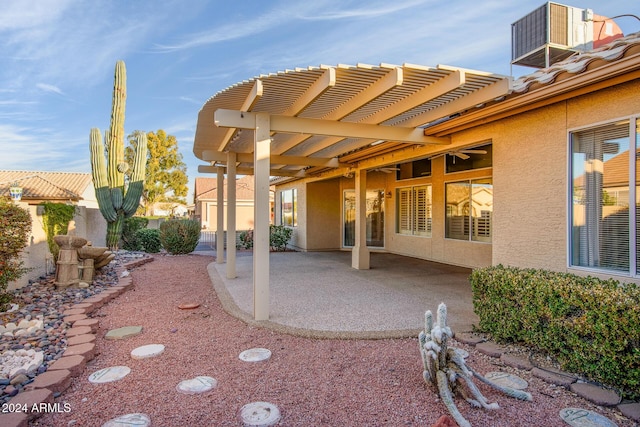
x=262 y=153
x=360 y=257
x=231 y=215
x=220 y=216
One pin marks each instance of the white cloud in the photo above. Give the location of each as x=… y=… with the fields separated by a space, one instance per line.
x=49 y=88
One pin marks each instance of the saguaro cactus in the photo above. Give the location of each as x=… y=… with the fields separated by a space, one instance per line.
x=446 y=369
x=116 y=200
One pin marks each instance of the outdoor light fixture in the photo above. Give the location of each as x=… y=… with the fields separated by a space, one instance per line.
x=16 y=192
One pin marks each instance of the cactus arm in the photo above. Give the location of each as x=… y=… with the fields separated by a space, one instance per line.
x=116 y=130
x=136 y=186
x=99 y=174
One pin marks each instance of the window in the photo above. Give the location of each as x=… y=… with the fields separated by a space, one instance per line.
x=374 y=215
x=416 y=169
x=414 y=210
x=468 y=159
x=469 y=210
x=289 y=208
x=601 y=188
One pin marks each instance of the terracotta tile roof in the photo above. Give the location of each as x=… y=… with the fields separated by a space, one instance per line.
x=206 y=188
x=46 y=185
x=579 y=63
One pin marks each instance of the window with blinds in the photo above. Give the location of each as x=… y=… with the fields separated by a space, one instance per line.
x=414 y=210
x=601 y=209
x=469 y=210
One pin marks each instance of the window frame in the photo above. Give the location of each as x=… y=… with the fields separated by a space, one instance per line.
x=470 y=220
x=294 y=207
x=412 y=211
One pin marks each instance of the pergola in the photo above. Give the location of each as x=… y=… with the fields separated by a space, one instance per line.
x=324 y=122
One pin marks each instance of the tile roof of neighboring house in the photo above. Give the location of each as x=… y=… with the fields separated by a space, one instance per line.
x=206 y=188
x=579 y=63
x=46 y=185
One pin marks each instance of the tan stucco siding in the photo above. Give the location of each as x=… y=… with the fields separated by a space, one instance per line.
x=323 y=213
x=244 y=215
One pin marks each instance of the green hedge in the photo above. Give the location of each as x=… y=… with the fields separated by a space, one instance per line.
x=149 y=240
x=590 y=326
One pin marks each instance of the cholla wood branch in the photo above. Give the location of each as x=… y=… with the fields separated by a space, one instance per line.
x=447 y=371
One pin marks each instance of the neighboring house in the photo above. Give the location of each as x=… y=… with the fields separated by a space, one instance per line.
x=445 y=164
x=54 y=187
x=206 y=203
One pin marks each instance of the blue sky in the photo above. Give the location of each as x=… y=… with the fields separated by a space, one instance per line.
x=58 y=56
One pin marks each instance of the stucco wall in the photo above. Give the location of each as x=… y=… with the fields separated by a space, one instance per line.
x=323 y=212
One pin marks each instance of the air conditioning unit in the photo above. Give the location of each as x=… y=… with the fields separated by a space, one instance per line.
x=554 y=32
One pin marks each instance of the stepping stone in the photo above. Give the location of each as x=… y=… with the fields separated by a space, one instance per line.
x=630 y=410
x=255 y=355
x=129 y=420
x=122 y=333
x=259 y=414
x=197 y=385
x=81 y=339
x=470 y=338
x=490 y=349
x=78 y=330
x=146 y=351
x=107 y=375
x=73 y=364
x=577 y=417
x=598 y=395
x=507 y=380
x=188 y=306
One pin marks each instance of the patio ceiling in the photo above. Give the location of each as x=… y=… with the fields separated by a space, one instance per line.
x=336 y=116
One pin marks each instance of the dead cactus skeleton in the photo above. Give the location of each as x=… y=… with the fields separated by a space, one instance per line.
x=446 y=369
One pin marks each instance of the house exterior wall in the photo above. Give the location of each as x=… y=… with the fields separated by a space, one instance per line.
x=244 y=215
x=323 y=212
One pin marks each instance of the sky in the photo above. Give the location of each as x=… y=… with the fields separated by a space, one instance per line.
x=57 y=58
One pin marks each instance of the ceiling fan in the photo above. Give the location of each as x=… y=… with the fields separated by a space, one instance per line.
x=463 y=154
x=385 y=170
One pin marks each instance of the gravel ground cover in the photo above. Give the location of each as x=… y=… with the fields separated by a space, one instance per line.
x=313 y=382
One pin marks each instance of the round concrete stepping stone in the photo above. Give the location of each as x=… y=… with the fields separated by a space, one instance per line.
x=124 y=332
x=507 y=380
x=107 y=375
x=129 y=420
x=197 y=385
x=188 y=306
x=255 y=355
x=259 y=414
x=146 y=351
x=577 y=417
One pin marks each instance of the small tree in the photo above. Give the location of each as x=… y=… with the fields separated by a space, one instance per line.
x=180 y=236
x=15 y=227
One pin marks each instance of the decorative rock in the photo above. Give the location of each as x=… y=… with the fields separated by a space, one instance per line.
x=516 y=361
x=88 y=351
x=33 y=397
x=554 y=376
x=81 y=339
x=124 y=332
x=445 y=421
x=577 y=417
x=255 y=355
x=507 y=380
x=470 y=338
x=107 y=375
x=128 y=420
x=74 y=311
x=490 y=349
x=74 y=318
x=14 y=419
x=146 y=351
x=19 y=379
x=78 y=330
x=188 y=306
x=259 y=414
x=598 y=395
x=197 y=385
x=92 y=323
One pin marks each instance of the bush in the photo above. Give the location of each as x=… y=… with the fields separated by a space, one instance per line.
x=590 y=326
x=15 y=227
x=149 y=240
x=246 y=239
x=130 y=230
x=180 y=236
x=279 y=236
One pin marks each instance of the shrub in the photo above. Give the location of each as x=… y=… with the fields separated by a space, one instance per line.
x=590 y=326
x=180 y=236
x=279 y=236
x=56 y=218
x=130 y=230
x=149 y=240
x=15 y=227
x=246 y=239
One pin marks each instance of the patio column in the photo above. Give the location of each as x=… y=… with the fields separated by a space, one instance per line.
x=231 y=215
x=261 y=165
x=220 y=217
x=360 y=252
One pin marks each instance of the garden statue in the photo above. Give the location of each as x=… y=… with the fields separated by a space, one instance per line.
x=67 y=272
x=116 y=200
x=446 y=369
